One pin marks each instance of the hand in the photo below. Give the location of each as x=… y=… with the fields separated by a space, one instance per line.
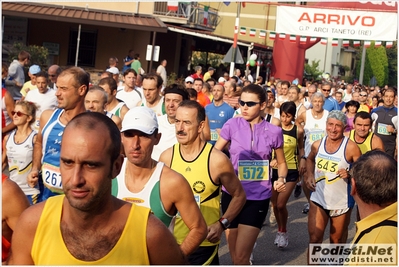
x=214 y=232
x=390 y=129
x=273 y=163
x=279 y=186
x=343 y=173
x=310 y=184
x=302 y=167
x=33 y=178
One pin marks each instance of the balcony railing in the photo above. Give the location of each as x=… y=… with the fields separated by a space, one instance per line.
x=193 y=12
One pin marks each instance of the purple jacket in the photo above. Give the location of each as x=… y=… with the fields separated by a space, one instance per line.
x=252 y=145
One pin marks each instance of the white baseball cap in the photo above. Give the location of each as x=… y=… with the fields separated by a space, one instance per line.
x=189 y=79
x=221 y=80
x=113 y=70
x=142 y=119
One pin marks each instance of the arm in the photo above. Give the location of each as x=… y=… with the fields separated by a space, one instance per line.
x=302 y=161
x=222 y=171
x=4 y=156
x=302 y=109
x=124 y=110
x=301 y=119
x=10 y=106
x=117 y=121
x=14 y=202
x=33 y=176
x=282 y=169
x=23 y=236
x=161 y=245
x=352 y=153
x=221 y=143
x=276 y=122
x=184 y=202
x=166 y=157
x=206 y=132
x=310 y=181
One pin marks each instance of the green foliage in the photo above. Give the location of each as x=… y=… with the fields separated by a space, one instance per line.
x=348 y=79
x=204 y=58
x=378 y=63
x=368 y=72
x=392 y=55
x=312 y=70
x=38 y=53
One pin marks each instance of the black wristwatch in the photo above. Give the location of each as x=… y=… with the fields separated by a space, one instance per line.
x=224 y=222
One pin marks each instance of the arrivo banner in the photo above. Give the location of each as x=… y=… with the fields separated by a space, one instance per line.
x=334 y=23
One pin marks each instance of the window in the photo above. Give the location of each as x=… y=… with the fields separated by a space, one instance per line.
x=87 y=47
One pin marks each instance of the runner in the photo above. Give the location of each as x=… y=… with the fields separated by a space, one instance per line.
x=252 y=140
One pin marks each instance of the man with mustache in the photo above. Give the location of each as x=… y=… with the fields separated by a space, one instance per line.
x=72 y=84
x=206 y=169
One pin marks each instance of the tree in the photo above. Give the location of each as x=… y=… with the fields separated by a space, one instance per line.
x=392 y=55
x=378 y=63
x=312 y=70
x=368 y=72
x=38 y=53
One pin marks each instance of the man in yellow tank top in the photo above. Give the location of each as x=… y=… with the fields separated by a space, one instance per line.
x=88 y=225
x=206 y=169
x=361 y=134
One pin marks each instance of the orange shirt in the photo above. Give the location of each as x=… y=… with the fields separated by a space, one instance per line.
x=203 y=99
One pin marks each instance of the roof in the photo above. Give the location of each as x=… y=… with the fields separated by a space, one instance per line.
x=84 y=16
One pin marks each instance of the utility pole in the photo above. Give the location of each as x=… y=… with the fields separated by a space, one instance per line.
x=233 y=56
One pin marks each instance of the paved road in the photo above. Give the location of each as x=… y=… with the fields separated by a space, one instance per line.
x=266 y=253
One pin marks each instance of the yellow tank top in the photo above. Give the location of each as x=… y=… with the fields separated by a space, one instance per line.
x=49 y=248
x=206 y=192
x=365 y=145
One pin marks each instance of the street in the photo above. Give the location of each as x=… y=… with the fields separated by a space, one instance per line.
x=266 y=253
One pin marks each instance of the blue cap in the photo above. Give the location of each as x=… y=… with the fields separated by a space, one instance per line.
x=34 y=69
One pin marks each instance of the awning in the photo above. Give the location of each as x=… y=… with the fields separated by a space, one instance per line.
x=84 y=16
x=204 y=35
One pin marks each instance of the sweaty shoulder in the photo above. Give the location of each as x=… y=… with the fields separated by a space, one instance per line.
x=46 y=114
x=218 y=160
x=166 y=156
x=174 y=178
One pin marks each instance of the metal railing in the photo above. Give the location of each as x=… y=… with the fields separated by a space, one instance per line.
x=193 y=12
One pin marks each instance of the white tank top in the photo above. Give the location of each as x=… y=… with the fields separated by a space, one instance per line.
x=314 y=129
x=149 y=196
x=20 y=161
x=332 y=192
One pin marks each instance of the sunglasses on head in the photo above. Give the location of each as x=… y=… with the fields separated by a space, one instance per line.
x=19 y=113
x=248 y=103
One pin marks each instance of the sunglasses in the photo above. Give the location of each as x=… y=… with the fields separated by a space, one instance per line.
x=324 y=90
x=19 y=113
x=248 y=103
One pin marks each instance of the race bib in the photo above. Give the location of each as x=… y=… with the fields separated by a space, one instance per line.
x=317 y=135
x=327 y=164
x=214 y=135
x=52 y=177
x=253 y=170
x=382 y=129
